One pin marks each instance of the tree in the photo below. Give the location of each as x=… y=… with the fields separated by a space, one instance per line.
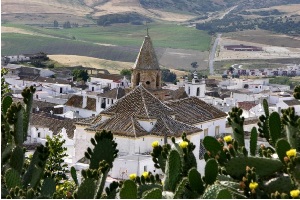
x=55 y=162
x=168 y=76
x=194 y=65
x=55 y=24
x=80 y=74
x=126 y=72
x=67 y=24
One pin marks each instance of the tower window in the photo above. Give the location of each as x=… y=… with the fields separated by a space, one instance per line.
x=148 y=82
x=198 y=91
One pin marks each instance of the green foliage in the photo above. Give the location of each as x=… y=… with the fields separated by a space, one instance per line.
x=291 y=124
x=263 y=123
x=80 y=74
x=263 y=166
x=128 y=190
x=168 y=76
x=154 y=193
x=275 y=129
x=126 y=72
x=253 y=141
x=297 y=92
x=173 y=171
x=211 y=171
x=236 y=122
x=55 y=162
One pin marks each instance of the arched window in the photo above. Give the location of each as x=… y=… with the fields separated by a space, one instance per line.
x=198 y=91
x=138 y=79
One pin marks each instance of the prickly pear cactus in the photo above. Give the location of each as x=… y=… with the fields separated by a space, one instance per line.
x=291 y=124
x=236 y=122
x=263 y=123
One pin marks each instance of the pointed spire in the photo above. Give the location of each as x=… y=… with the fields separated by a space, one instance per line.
x=147 y=58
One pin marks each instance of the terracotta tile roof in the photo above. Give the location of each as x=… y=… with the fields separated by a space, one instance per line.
x=75 y=101
x=91 y=104
x=293 y=102
x=246 y=105
x=54 y=123
x=121 y=124
x=45 y=80
x=193 y=110
x=115 y=93
x=139 y=102
x=146 y=58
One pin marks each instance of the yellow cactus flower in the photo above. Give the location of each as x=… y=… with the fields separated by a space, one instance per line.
x=155 y=144
x=253 y=185
x=228 y=138
x=145 y=174
x=57 y=187
x=291 y=153
x=295 y=193
x=132 y=176
x=183 y=144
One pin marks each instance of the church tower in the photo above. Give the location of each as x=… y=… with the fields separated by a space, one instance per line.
x=146 y=69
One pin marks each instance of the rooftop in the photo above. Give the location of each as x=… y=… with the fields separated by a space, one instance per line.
x=293 y=102
x=146 y=58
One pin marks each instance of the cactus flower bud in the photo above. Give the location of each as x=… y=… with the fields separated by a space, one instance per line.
x=242 y=185
x=145 y=174
x=295 y=193
x=253 y=185
x=248 y=168
x=291 y=153
x=286 y=159
x=155 y=144
x=245 y=179
x=132 y=176
x=230 y=146
x=228 y=138
x=183 y=144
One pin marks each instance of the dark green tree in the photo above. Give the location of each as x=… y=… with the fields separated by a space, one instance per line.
x=194 y=65
x=80 y=74
x=168 y=76
x=4 y=85
x=55 y=162
x=126 y=72
x=297 y=92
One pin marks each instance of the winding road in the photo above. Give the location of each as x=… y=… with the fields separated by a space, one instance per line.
x=212 y=54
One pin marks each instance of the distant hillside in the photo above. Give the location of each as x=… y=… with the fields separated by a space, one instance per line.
x=88 y=11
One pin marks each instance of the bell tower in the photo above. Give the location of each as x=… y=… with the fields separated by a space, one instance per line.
x=146 y=69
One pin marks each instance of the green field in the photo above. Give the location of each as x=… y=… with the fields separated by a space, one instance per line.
x=163 y=35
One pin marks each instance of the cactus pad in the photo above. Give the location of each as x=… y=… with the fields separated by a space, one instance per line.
x=155 y=193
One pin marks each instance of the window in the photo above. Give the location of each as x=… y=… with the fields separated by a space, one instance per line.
x=189 y=90
x=145 y=168
x=39 y=135
x=198 y=92
x=217 y=130
x=205 y=132
x=112 y=101
x=93 y=115
x=148 y=82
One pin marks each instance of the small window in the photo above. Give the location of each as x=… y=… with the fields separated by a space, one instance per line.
x=39 y=135
x=93 y=115
x=217 y=130
x=145 y=168
x=112 y=101
x=148 y=82
x=143 y=139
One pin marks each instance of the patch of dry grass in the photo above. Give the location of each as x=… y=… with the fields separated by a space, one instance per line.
x=74 y=60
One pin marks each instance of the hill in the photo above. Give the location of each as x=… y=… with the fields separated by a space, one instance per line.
x=87 y=11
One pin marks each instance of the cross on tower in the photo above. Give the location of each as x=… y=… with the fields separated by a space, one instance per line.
x=147 y=28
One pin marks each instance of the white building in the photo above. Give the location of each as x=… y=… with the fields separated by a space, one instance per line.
x=100 y=81
x=195 y=88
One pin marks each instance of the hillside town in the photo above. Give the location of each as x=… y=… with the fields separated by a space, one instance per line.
x=141 y=109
